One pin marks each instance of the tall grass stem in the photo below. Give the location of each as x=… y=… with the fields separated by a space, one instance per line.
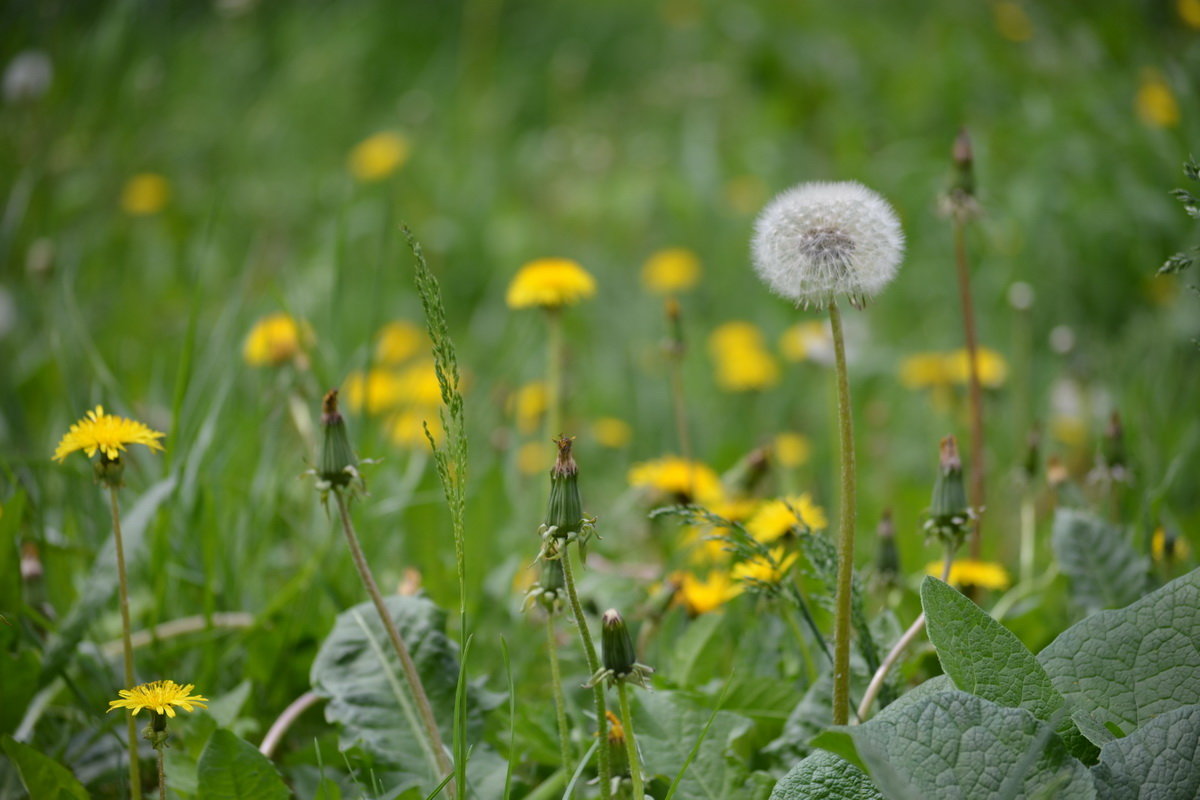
x=845 y=570
x=135 y=771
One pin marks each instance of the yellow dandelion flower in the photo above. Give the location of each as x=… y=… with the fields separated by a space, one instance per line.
x=925 y=371
x=761 y=570
x=1155 y=102
x=107 y=433
x=399 y=341
x=527 y=405
x=144 y=194
x=612 y=432
x=1012 y=22
x=702 y=596
x=809 y=340
x=993 y=369
x=675 y=269
x=1160 y=543
x=616 y=731
x=378 y=156
x=1189 y=12
x=419 y=384
x=969 y=572
x=274 y=340
x=407 y=429
x=742 y=362
x=533 y=457
x=677 y=478
x=703 y=548
x=159 y=697
x=774 y=519
x=376 y=391
x=791 y=449
x=550 y=283
x=734 y=509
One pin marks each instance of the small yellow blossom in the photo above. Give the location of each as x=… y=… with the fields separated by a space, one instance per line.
x=107 y=433
x=969 y=572
x=612 y=432
x=378 y=156
x=407 y=429
x=675 y=269
x=704 y=548
x=1155 y=102
x=742 y=362
x=677 y=478
x=528 y=404
x=398 y=341
x=761 y=570
x=791 y=449
x=774 y=519
x=1189 y=12
x=419 y=384
x=1159 y=543
x=550 y=283
x=159 y=697
x=804 y=340
x=924 y=371
x=144 y=194
x=376 y=390
x=734 y=509
x=1012 y=22
x=702 y=596
x=993 y=369
x=274 y=340
x=533 y=457
x=616 y=731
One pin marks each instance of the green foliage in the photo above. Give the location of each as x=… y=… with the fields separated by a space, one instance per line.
x=824 y=776
x=1105 y=571
x=42 y=776
x=1157 y=760
x=233 y=769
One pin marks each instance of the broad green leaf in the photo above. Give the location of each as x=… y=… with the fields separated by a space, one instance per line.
x=19 y=685
x=986 y=659
x=233 y=769
x=1125 y=667
x=824 y=776
x=1104 y=569
x=954 y=744
x=668 y=726
x=42 y=776
x=1160 y=760
x=688 y=651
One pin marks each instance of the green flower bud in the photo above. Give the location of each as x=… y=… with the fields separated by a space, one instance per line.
x=565 y=510
x=109 y=471
x=949 y=512
x=889 y=556
x=338 y=462
x=552 y=586
x=616 y=645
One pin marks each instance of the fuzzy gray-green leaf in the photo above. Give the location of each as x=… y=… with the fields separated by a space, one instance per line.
x=1104 y=569
x=824 y=776
x=1158 y=760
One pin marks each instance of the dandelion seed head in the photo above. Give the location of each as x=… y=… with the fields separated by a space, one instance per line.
x=819 y=240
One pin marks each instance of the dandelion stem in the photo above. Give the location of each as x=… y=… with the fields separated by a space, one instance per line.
x=560 y=700
x=845 y=571
x=1028 y=533
x=554 y=372
x=912 y=633
x=589 y=651
x=976 y=391
x=434 y=737
x=162 y=776
x=635 y=765
x=135 y=772
x=679 y=407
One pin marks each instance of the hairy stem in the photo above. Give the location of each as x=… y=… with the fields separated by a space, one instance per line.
x=560 y=700
x=589 y=651
x=679 y=409
x=162 y=776
x=976 y=390
x=845 y=570
x=635 y=764
x=554 y=373
x=441 y=759
x=135 y=771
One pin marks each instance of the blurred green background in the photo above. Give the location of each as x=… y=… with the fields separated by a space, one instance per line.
x=595 y=131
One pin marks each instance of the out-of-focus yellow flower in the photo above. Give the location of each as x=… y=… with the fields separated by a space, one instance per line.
x=924 y=371
x=275 y=340
x=376 y=391
x=378 y=156
x=969 y=572
x=106 y=433
x=612 y=432
x=527 y=405
x=1155 y=102
x=144 y=194
x=742 y=362
x=761 y=570
x=805 y=339
x=407 y=429
x=675 y=269
x=993 y=369
x=677 y=478
x=703 y=547
x=702 y=596
x=1012 y=22
x=774 y=519
x=745 y=194
x=791 y=449
x=533 y=457
x=419 y=385
x=1070 y=430
x=1161 y=543
x=160 y=697
x=1189 y=12
x=399 y=341
x=734 y=509
x=550 y=283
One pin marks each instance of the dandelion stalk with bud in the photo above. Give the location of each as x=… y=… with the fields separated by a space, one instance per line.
x=812 y=244
x=620 y=668
x=159 y=697
x=108 y=435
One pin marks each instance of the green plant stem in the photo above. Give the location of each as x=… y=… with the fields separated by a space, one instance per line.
x=135 y=770
x=1028 y=533
x=679 y=407
x=635 y=765
x=845 y=572
x=162 y=775
x=434 y=737
x=589 y=651
x=560 y=700
x=554 y=372
x=976 y=390
x=810 y=667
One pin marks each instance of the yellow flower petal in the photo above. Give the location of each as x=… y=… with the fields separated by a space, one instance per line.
x=550 y=283
x=107 y=433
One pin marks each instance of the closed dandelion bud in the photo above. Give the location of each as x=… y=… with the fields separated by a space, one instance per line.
x=337 y=464
x=889 y=556
x=617 y=645
x=564 y=514
x=552 y=586
x=949 y=512
x=1114 y=446
x=964 y=159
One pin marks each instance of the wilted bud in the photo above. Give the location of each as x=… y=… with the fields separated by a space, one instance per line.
x=949 y=511
x=617 y=645
x=338 y=463
x=959 y=201
x=564 y=513
x=31 y=562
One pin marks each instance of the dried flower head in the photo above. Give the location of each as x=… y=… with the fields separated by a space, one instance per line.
x=159 y=697
x=819 y=240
